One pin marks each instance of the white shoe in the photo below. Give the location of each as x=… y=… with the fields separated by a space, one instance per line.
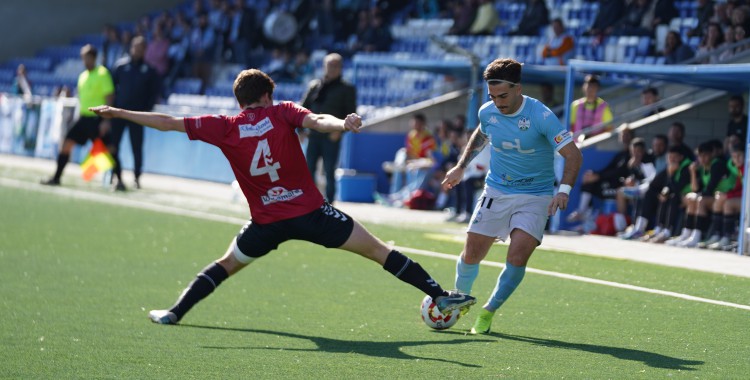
x=163 y=317
x=718 y=245
x=692 y=241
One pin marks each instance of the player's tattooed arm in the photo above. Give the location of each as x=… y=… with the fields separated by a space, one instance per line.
x=477 y=142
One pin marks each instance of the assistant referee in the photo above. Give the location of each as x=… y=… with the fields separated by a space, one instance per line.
x=94 y=88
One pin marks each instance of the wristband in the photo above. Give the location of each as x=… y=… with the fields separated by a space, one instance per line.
x=564 y=188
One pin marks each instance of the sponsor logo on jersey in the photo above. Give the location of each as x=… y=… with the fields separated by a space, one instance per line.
x=509 y=181
x=546 y=114
x=280 y=194
x=478 y=218
x=515 y=145
x=255 y=130
x=524 y=123
x=493 y=119
x=561 y=137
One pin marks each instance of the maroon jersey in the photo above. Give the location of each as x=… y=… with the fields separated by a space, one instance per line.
x=265 y=154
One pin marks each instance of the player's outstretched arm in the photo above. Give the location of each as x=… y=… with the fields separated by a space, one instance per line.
x=160 y=121
x=328 y=123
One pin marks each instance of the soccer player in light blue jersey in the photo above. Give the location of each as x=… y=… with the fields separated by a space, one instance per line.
x=519 y=194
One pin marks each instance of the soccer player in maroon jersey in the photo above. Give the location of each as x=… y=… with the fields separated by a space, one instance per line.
x=262 y=147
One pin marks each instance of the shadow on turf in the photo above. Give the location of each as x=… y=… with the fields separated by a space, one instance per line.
x=376 y=349
x=649 y=358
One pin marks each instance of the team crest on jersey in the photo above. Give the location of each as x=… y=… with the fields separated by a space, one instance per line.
x=255 y=130
x=279 y=194
x=524 y=123
x=251 y=116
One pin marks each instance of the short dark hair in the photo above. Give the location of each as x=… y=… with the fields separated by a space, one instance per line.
x=737 y=147
x=638 y=142
x=250 y=85
x=738 y=98
x=676 y=149
x=662 y=137
x=651 y=90
x=706 y=147
x=420 y=116
x=506 y=69
x=89 y=49
x=592 y=78
x=679 y=126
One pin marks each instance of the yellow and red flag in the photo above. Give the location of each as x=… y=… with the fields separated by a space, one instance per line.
x=97 y=160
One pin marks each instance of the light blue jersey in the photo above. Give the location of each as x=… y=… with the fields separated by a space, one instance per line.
x=523 y=146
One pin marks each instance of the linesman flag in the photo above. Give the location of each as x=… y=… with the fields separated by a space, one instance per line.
x=98 y=160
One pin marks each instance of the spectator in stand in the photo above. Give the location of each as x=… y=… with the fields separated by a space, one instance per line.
x=559 y=48
x=137 y=86
x=95 y=87
x=705 y=14
x=426 y=9
x=740 y=33
x=737 y=124
x=377 y=37
x=609 y=12
x=649 y=96
x=112 y=48
x=486 y=19
x=666 y=197
x=534 y=18
x=201 y=49
x=179 y=36
x=590 y=110
x=604 y=183
x=675 y=51
x=739 y=17
x=21 y=85
x=330 y=95
x=157 y=52
x=707 y=175
x=637 y=20
x=712 y=40
x=726 y=52
x=662 y=12
x=244 y=33
x=463 y=14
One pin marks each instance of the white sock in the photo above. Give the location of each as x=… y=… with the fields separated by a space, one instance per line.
x=585 y=201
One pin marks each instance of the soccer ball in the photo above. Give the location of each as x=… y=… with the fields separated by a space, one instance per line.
x=433 y=318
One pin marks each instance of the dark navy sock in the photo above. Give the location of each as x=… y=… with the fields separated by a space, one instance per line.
x=412 y=273
x=203 y=285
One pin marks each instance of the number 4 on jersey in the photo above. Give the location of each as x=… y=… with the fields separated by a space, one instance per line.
x=269 y=167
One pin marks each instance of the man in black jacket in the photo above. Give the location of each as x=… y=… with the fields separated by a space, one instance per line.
x=136 y=88
x=331 y=95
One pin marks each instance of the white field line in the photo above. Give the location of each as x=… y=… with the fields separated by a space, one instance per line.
x=109 y=199
x=583 y=279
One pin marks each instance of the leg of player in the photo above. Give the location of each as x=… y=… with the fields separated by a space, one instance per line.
x=467 y=266
x=365 y=244
x=204 y=284
x=62 y=160
x=522 y=245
